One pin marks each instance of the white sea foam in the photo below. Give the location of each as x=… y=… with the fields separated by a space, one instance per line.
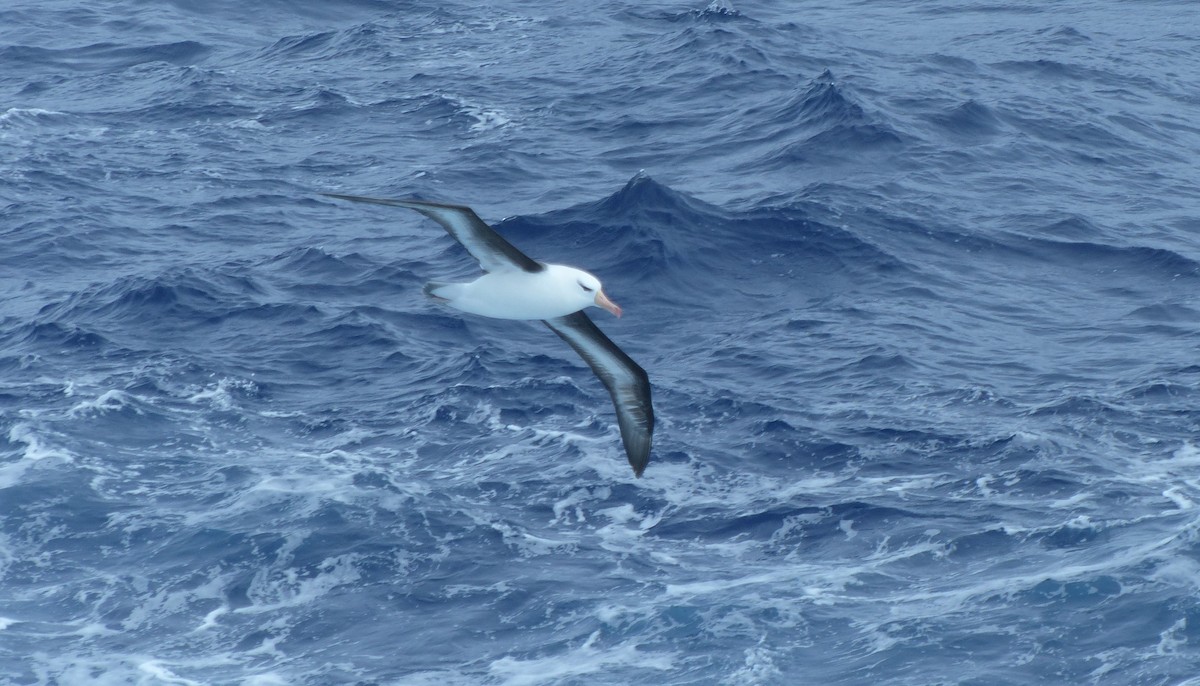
x=11 y=473
x=250 y=124
x=625 y=528
x=265 y=680
x=847 y=527
x=1187 y=455
x=782 y=578
x=1072 y=501
x=486 y=119
x=36 y=449
x=582 y=661
x=528 y=545
x=1173 y=639
x=99 y=669
x=439 y=678
x=109 y=401
x=274 y=589
x=210 y=619
x=156 y=670
x=1178 y=571
x=221 y=395
x=721 y=7
x=90 y=629
x=1176 y=495
x=17 y=117
x=575 y=501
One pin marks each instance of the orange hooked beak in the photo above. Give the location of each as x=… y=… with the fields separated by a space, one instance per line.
x=603 y=301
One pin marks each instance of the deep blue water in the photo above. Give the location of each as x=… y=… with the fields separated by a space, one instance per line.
x=915 y=282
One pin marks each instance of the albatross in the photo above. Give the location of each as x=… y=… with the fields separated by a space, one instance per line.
x=514 y=286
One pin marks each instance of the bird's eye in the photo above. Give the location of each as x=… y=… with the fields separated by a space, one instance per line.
x=589 y=290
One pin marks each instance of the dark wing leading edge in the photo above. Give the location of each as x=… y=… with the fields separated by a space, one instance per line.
x=626 y=382
x=490 y=248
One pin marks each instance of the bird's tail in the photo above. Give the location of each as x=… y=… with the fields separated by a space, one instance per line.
x=440 y=290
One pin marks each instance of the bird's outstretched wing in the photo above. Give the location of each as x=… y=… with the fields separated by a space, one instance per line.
x=626 y=382
x=490 y=248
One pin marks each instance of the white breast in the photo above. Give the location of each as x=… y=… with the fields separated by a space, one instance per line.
x=553 y=292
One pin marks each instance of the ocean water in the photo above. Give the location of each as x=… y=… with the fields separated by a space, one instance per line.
x=915 y=283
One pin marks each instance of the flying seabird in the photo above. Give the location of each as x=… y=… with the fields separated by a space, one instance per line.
x=517 y=287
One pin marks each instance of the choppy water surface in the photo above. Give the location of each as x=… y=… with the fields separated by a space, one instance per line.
x=915 y=283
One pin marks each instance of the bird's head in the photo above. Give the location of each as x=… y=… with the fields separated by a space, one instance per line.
x=588 y=291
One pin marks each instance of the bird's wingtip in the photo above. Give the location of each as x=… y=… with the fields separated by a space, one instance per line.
x=639 y=464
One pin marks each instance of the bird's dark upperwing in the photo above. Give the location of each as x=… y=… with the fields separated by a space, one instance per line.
x=490 y=248
x=626 y=382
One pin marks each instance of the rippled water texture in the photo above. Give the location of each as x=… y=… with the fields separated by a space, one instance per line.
x=915 y=283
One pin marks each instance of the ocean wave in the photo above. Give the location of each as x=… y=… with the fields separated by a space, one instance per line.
x=98 y=57
x=691 y=241
x=914 y=286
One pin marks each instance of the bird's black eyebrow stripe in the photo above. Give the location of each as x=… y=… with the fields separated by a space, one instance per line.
x=589 y=290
